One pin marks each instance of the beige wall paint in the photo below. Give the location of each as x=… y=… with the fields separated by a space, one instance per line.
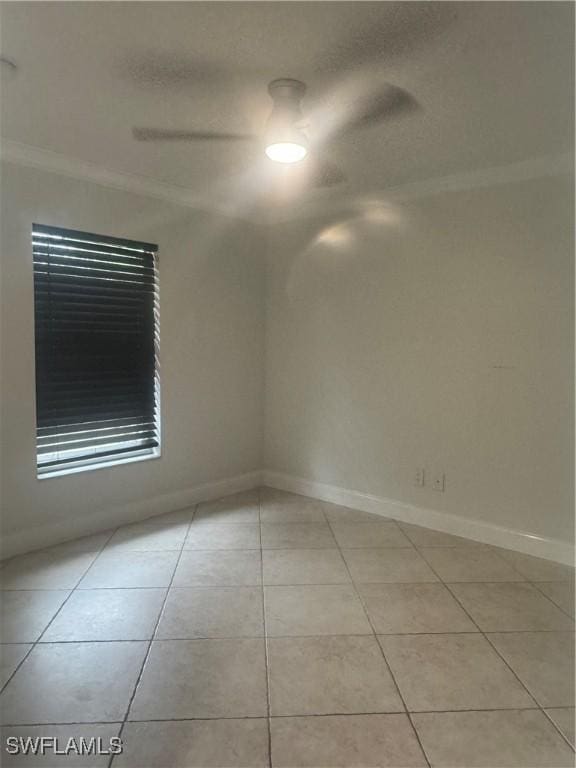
x=435 y=333
x=211 y=315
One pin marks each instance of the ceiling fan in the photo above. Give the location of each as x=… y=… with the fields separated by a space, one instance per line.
x=285 y=138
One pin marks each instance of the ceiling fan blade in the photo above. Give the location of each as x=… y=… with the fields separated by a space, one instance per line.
x=384 y=103
x=327 y=174
x=171 y=70
x=402 y=29
x=162 y=134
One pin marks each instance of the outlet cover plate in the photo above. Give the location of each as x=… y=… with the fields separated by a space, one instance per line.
x=439 y=481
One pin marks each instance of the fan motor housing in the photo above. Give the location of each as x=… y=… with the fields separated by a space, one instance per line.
x=286 y=117
x=286 y=88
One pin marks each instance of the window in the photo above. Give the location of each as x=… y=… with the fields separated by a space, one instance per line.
x=97 y=334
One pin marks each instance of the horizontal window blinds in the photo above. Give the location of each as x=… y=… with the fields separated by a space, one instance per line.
x=97 y=335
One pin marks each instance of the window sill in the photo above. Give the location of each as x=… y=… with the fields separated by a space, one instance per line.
x=114 y=462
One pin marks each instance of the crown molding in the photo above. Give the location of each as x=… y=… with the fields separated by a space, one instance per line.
x=27 y=155
x=46 y=160
x=543 y=166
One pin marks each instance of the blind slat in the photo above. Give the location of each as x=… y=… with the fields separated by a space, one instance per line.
x=73 y=236
x=52 y=464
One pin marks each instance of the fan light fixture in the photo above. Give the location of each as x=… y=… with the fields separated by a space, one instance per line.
x=285 y=141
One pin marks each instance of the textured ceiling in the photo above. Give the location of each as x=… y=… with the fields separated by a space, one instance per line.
x=492 y=82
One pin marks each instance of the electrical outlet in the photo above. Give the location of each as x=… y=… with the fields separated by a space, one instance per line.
x=439 y=481
x=419 y=477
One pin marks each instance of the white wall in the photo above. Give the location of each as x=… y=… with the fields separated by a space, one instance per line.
x=436 y=333
x=211 y=316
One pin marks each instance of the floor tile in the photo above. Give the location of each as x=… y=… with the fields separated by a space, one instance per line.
x=146 y=538
x=25 y=614
x=270 y=496
x=114 y=570
x=469 y=564
x=46 y=570
x=314 y=610
x=107 y=614
x=221 y=536
x=238 y=508
x=428 y=537
x=561 y=593
x=391 y=565
x=510 y=607
x=536 y=568
x=291 y=511
x=195 y=744
x=177 y=517
x=447 y=672
x=337 y=514
x=10 y=657
x=323 y=658
x=515 y=739
x=219 y=569
x=544 y=662
x=564 y=719
x=297 y=536
x=212 y=612
x=400 y=608
x=329 y=675
x=62 y=734
x=73 y=682
x=81 y=545
x=353 y=741
x=304 y=566
x=356 y=535
x=202 y=679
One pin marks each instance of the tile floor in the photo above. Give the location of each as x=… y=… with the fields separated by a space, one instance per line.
x=268 y=629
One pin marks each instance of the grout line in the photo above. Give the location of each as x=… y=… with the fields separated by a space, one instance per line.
x=535 y=585
x=481 y=631
x=275 y=717
x=148 y=650
x=195 y=638
x=447 y=586
x=557 y=727
x=219 y=550
x=390 y=672
x=495 y=649
x=539 y=707
x=71 y=592
x=301 y=584
x=531 y=582
x=266 y=660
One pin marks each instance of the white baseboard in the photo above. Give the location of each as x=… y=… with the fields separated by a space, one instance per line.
x=65 y=530
x=477 y=530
